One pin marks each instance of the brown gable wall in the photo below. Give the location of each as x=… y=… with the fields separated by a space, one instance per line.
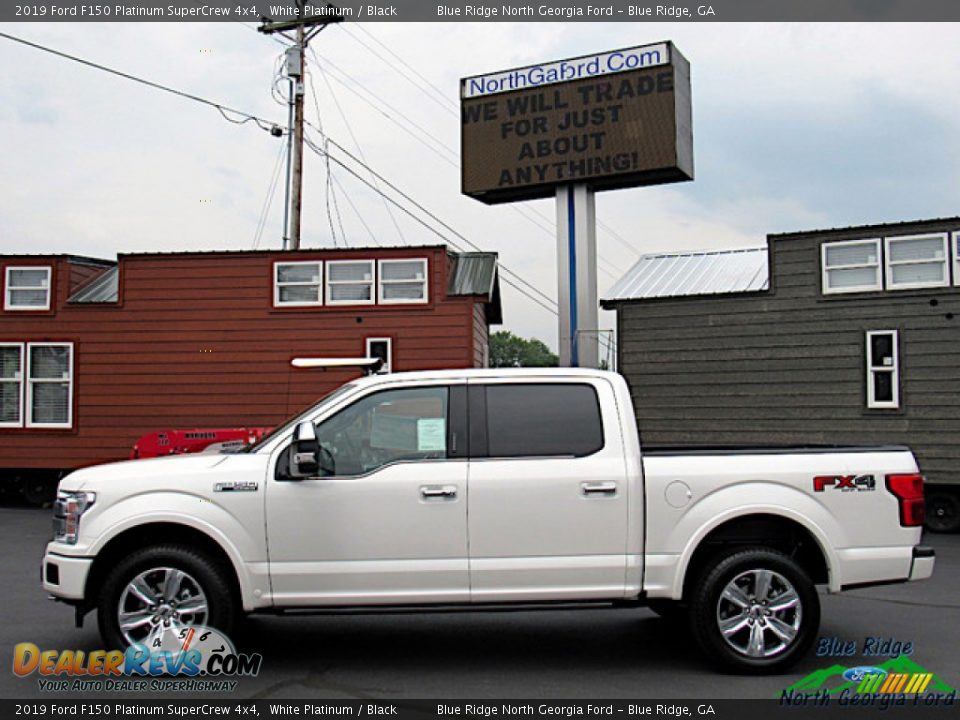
x=196 y=342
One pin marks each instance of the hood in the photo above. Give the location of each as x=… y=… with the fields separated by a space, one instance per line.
x=133 y=470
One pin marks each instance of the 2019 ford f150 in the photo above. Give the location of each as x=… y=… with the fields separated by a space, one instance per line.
x=480 y=487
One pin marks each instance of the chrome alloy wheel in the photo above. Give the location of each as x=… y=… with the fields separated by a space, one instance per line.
x=759 y=613
x=158 y=601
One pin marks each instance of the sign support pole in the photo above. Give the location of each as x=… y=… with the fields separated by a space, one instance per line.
x=577 y=276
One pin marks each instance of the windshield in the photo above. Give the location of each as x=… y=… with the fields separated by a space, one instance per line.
x=328 y=398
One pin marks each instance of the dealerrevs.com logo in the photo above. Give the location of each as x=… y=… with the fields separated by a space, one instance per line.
x=192 y=659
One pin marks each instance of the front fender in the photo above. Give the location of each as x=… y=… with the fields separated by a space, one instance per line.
x=226 y=527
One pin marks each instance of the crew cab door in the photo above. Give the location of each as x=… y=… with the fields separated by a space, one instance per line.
x=384 y=520
x=548 y=491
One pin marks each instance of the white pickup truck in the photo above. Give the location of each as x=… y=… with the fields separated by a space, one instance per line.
x=487 y=487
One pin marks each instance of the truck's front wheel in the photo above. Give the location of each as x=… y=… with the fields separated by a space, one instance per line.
x=754 y=610
x=155 y=592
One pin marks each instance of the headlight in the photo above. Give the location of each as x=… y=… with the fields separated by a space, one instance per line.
x=67 y=510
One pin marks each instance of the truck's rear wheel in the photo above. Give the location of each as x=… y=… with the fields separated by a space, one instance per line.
x=754 y=610
x=943 y=512
x=158 y=591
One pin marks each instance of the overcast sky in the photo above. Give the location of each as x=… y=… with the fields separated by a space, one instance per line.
x=795 y=127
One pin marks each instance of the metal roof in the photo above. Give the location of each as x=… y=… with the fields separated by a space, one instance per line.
x=712 y=272
x=875 y=228
x=472 y=274
x=104 y=289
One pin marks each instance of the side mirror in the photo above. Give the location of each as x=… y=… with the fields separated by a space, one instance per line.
x=304 y=451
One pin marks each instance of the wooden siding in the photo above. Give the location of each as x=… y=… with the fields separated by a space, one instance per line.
x=481 y=335
x=196 y=342
x=789 y=366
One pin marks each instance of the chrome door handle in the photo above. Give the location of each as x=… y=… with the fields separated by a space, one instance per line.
x=443 y=492
x=602 y=488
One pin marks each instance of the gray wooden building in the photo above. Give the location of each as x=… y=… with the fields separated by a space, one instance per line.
x=843 y=336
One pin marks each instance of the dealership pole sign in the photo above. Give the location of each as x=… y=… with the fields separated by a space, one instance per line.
x=611 y=120
x=567 y=129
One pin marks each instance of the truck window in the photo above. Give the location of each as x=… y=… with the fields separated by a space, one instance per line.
x=386 y=427
x=541 y=419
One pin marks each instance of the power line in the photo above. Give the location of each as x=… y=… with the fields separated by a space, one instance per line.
x=310 y=144
x=451 y=107
x=268 y=200
x=427 y=212
x=221 y=108
x=351 y=85
x=356 y=142
x=346 y=195
x=407 y=65
x=451 y=157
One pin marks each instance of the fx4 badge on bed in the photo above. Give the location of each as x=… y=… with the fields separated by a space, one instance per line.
x=845 y=483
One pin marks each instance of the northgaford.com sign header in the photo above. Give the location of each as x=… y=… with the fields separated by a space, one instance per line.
x=532 y=76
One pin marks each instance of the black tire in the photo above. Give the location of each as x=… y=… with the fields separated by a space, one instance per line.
x=943 y=512
x=670 y=610
x=39 y=492
x=743 y=569
x=202 y=572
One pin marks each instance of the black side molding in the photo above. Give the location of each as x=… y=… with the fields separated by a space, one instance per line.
x=872 y=583
x=923 y=551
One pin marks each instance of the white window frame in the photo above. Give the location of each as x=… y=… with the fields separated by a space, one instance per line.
x=403 y=301
x=48 y=288
x=30 y=382
x=277 y=302
x=889 y=265
x=20 y=381
x=387 y=367
x=824 y=270
x=894 y=371
x=333 y=283
x=955 y=242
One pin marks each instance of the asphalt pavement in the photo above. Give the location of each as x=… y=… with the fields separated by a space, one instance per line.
x=622 y=653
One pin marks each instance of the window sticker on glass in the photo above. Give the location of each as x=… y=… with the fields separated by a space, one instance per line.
x=431 y=434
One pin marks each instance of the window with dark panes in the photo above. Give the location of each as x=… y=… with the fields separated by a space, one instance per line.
x=883 y=370
x=381 y=348
x=543 y=419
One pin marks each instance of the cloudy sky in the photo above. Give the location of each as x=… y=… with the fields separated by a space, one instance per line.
x=795 y=127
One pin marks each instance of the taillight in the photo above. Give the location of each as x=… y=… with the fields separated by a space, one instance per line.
x=908 y=489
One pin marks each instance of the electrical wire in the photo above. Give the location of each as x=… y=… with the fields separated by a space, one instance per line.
x=346 y=196
x=428 y=140
x=438 y=96
x=440 y=93
x=336 y=209
x=516 y=282
x=356 y=142
x=268 y=200
x=451 y=157
x=425 y=211
x=262 y=123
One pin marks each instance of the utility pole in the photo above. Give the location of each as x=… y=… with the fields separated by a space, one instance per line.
x=296 y=63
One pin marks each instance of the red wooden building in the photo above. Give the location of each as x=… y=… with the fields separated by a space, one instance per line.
x=95 y=353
